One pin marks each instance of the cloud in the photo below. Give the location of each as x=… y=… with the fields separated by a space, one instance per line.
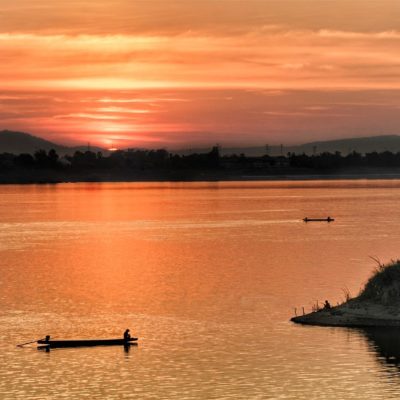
x=167 y=68
x=202 y=117
x=278 y=60
x=392 y=34
x=208 y=17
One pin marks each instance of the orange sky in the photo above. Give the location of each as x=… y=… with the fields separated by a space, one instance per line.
x=182 y=73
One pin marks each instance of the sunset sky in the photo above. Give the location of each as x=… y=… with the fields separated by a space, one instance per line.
x=182 y=73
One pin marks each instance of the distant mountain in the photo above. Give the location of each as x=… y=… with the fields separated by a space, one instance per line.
x=361 y=145
x=345 y=146
x=20 y=142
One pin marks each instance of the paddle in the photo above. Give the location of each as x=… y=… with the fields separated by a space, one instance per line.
x=33 y=341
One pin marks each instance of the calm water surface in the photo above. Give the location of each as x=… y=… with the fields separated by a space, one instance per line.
x=207 y=275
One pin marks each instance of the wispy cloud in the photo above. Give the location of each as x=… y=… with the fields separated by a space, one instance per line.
x=289 y=60
x=179 y=69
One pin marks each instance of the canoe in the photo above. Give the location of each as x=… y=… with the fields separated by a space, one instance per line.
x=86 y=342
x=318 y=219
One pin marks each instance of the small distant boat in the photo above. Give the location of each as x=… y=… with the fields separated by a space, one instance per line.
x=329 y=219
x=85 y=342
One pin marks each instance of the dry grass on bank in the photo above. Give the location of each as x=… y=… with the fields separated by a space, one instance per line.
x=383 y=287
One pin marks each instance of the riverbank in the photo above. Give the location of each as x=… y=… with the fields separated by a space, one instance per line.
x=377 y=305
x=35 y=176
x=353 y=314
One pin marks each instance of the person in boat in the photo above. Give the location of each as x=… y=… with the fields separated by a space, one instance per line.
x=327 y=305
x=47 y=338
x=127 y=336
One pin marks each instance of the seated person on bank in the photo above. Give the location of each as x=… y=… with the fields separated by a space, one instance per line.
x=327 y=306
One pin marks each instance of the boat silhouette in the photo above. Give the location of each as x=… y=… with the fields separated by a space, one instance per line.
x=85 y=342
x=328 y=219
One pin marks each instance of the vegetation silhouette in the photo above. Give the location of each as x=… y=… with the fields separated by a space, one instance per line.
x=137 y=164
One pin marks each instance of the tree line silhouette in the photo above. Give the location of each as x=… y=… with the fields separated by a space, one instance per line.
x=126 y=161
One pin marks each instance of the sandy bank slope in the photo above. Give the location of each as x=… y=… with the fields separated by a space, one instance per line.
x=355 y=313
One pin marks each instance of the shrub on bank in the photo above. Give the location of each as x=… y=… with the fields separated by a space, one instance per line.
x=384 y=285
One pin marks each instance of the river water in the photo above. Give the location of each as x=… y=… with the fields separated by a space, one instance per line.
x=207 y=275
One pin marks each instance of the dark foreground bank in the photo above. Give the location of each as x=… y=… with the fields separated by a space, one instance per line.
x=51 y=177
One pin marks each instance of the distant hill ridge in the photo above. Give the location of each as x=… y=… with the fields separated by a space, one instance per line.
x=21 y=142
x=360 y=144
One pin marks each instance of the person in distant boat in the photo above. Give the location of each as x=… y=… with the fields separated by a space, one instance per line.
x=47 y=338
x=327 y=305
x=127 y=336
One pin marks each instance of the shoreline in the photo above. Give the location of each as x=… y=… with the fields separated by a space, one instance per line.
x=377 y=305
x=43 y=177
x=355 y=313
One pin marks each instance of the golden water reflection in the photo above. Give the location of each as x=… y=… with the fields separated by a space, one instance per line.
x=206 y=274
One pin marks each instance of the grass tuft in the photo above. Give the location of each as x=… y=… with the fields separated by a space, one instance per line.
x=346 y=293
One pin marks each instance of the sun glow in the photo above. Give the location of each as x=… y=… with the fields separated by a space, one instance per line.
x=208 y=71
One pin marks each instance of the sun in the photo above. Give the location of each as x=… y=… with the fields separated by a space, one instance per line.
x=110 y=144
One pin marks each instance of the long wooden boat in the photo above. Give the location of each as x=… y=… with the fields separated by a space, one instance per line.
x=86 y=342
x=329 y=219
